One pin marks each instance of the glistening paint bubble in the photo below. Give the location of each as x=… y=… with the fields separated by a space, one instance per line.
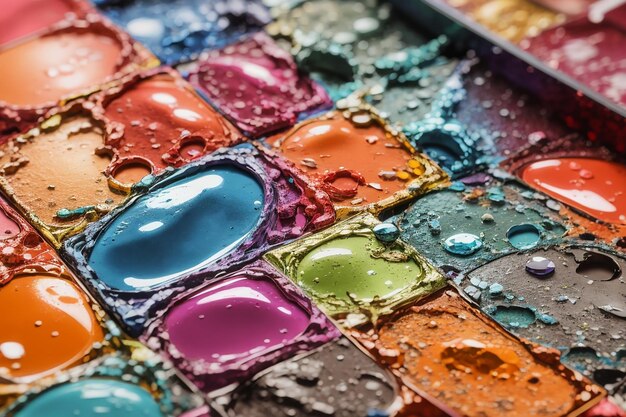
x=185 y=225
x=54 y=326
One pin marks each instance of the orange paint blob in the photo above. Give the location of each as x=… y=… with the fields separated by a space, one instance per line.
x=449 y=350
x=161 y=119
x=47 y=325
x=592 y=186
x=59 y=169
x=43 y=70
x=370 y=164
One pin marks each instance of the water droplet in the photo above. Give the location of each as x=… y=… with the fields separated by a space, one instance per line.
x=540 y=267
x=12 y=350
x=386 y=232
x=462 y=244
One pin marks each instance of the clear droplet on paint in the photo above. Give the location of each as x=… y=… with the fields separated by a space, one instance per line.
x=386 y=232
x=540 y=267
x=12 y=350
x=524 y=236
x=462 y=244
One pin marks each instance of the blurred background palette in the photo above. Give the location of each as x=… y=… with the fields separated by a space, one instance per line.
x=312 y=208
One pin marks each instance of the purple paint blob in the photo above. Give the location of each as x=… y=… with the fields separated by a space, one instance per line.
x=237 y=317
x=540 y=267
x=257 y=85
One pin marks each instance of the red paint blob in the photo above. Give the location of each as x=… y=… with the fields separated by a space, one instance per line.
x=20 y=18
x=592 y=186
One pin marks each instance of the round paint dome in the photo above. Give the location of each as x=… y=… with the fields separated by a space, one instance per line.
x=201 y=327
x=47 y=324
x=187 y=224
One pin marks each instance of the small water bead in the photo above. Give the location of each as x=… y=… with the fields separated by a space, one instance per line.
x=463 y=244
x=386 y=232
x=540 y=267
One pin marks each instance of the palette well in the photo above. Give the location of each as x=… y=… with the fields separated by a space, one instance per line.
x=312 y=209
x=255 y=202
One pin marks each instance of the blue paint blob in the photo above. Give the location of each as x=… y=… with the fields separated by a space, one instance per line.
x=93 y=398
x=187 y=224
x=178 y=30
x=524 y=236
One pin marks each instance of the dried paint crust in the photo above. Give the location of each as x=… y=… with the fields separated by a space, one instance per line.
x=308 y=384
x=55 y=173
x=134 y=365
x=581 y=225
x=144 y=130
x=287 y=196
x=16 y=119
x=578 y=309
x=257 y=85
x=210 y=376
x=442 y=342
x=22 y=249
x=353 y=311
x=411 y=173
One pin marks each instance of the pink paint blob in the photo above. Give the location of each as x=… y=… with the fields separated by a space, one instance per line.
x=238 y=317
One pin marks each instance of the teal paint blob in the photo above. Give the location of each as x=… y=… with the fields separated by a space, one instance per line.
x=187 y=224
x=524 y=236
x=93 y=398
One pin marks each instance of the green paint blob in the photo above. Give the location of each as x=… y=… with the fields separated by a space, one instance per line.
x=346 y=266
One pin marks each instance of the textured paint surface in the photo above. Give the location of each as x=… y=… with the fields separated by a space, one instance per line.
x=59 y=64
x=359 y=160
x=257 y=85
x=488 y=211
x=347 y=271
x=309 y=386
x=585 y=292
x=589 y=52
x=59 y=169
x=591 y=186
x=204 y=217
x=263 y=317
x=443 y=343
x=47 y=324
x=157 y=117
x=21 y=248
x=93 y=397
x=514 y=20
x=177 y=31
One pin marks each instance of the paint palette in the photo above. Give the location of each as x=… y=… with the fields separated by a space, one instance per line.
x=286 y=208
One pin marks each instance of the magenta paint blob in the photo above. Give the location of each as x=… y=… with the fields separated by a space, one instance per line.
x=257 y=85
x=237 y=317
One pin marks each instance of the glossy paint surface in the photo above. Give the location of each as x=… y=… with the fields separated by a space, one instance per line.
x=47 y=324
x=323 y=147
x=162 y=120
x=592 y=186
x=185 y=225
x=93 y=397
x=43 y=70
x=202 y=326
